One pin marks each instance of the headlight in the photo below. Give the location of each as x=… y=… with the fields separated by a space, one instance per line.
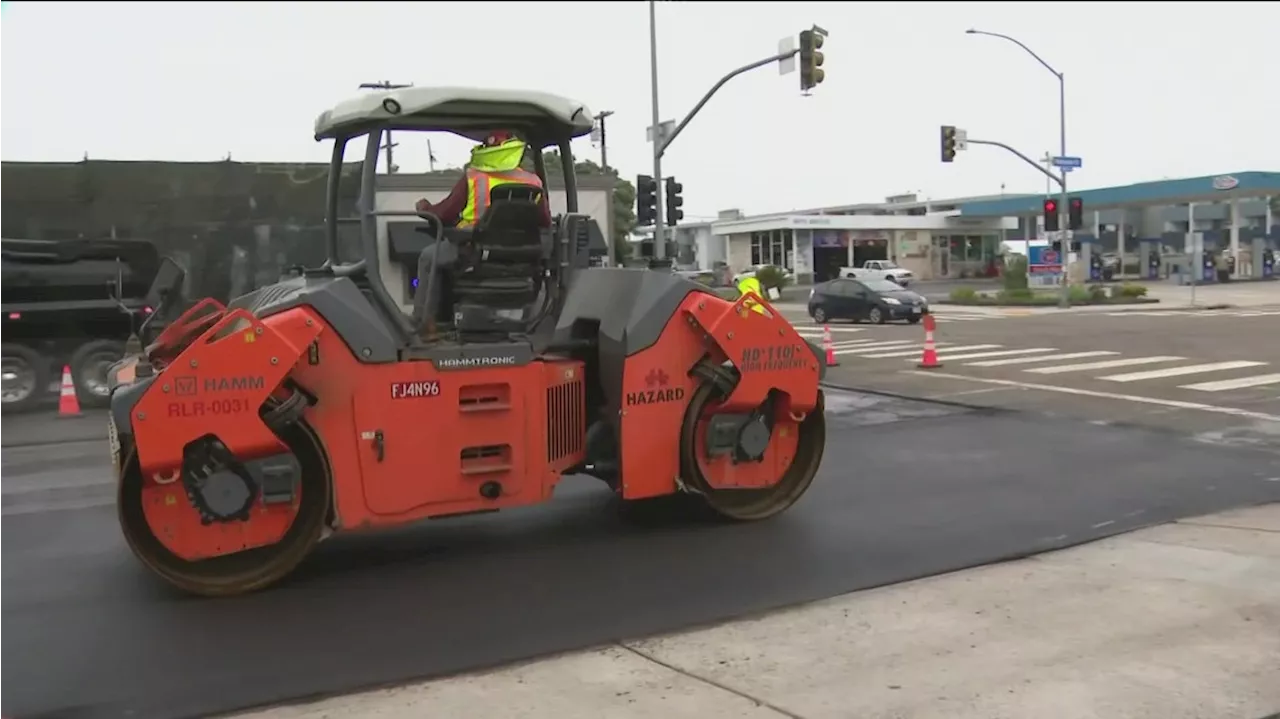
x=890 y=301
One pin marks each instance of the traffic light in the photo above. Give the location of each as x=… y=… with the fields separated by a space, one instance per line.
x=811 y=73
x=1050 y=215
x=646 y=201
x=1075 y=213
x=948 y=143
x=674 y=201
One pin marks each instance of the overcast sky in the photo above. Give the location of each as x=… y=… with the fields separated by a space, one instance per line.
x=1154 y=90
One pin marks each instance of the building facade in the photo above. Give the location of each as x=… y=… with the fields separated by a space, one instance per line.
x=928 y=238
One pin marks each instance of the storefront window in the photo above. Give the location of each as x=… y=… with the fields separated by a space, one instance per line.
x=772 y=248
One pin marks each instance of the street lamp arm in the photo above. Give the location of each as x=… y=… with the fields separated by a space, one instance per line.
x=1021 y=156
x=661 y=147
x=1020 y=44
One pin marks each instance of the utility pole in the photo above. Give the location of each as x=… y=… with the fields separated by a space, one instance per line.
x=663 y=134
x=604 y=140
x=386 y=85
x=659 y=235
x=1063 y=301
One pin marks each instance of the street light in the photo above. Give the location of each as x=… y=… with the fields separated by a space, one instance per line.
x=1062 y=133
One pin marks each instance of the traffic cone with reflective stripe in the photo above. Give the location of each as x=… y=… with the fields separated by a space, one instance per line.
x=829 y=347
x=68 y=402
x=930 y=358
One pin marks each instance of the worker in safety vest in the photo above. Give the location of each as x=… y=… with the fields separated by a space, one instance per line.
x=751 y=283
x=494 y=162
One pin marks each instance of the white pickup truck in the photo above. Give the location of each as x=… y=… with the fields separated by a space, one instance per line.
x=879 y=269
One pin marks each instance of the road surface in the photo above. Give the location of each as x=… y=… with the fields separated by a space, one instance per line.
x=1209 y=373
x=907 y=490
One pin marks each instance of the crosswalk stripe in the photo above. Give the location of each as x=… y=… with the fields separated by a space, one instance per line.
x=856 y=343
x=882 y=346
x=908 y=351
x=969 y=348
x=1183 y=370
x=1041 y=358
x=1001 y=353
x=1223 y=385
x=1105 y=364
x=818 y=330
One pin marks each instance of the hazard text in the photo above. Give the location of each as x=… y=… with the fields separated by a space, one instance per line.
x=655 y=396
x=773 y=358
x=415 y=390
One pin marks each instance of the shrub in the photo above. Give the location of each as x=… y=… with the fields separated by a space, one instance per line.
x=1015 y=272
x=1079 y=294
x=1016 y=297
x=1098 y=294
x=772 y=276
x=967 y=295
x=1130 y=290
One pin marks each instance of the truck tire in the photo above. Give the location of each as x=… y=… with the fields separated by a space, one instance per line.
x=89 y=367
x=26 y=377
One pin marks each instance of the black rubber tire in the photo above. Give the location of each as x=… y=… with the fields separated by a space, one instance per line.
x=242 y=572
x=84 y=363
x=915 y=319
x=820 y=315
x=875 y=315
x=39 y=366
x=752 y=505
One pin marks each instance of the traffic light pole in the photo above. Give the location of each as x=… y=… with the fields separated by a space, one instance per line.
x=661 y=143
x=1065 y=299
x=659 y=235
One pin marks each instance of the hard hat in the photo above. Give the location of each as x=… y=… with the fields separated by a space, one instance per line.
x=497 y=137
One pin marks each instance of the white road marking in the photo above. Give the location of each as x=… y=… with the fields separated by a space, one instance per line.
x=1223 y=385
x=915 y=350
x=1179 y=371
x=962 y=348
x=818 y=330
x=864 y=340
x=1105 y=364
x=879 y=346
x=1176 y=404
x=978 y=355
x=1041 y=358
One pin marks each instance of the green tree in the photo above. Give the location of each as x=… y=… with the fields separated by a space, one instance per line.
x=624 y=198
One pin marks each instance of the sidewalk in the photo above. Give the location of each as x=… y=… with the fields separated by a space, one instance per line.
x=1179 y=620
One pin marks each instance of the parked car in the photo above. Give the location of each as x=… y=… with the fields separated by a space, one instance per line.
x=874 y=300
x=881 y=270
x=737 y=277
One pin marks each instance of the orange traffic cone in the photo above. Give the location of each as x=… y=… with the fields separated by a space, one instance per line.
x=68 y=402
x=829 y=347
x=930 y=358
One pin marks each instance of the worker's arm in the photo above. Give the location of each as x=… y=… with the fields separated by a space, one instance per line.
x=544 y=210
x=449 y=210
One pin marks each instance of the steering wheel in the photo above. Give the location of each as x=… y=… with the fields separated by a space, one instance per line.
x=432 y=221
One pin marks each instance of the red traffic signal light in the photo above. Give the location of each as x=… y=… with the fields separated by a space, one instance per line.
x=1051 y=215
x=1075 y=213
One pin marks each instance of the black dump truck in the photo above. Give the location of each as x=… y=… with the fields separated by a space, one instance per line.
x=69 y=303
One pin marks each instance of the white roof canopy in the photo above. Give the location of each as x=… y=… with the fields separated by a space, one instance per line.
x=468 y=111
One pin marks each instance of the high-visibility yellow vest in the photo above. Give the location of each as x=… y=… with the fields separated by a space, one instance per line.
x=751 y=284
x=479 y=184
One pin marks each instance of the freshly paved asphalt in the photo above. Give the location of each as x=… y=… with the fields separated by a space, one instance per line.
x=908 y=489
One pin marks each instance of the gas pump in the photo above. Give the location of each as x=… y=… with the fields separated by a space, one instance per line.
x=1207 y=270
x=1149 y=258
x=1268 y=263
x=1095 y=267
